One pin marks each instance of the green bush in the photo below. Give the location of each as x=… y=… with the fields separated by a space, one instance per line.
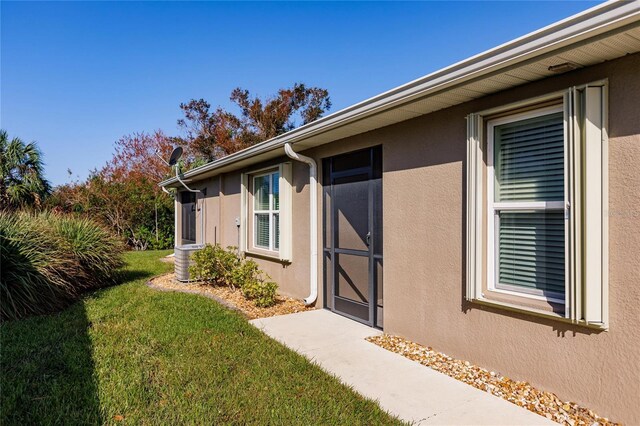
x=48 y=260
x=215 y=265
x=132 y=209
x=34 y=277
x=225 y=267
x=259 y=288
x=96 y=252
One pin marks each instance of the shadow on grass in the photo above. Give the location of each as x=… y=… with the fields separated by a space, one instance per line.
x=130 y=275
x=47 y=370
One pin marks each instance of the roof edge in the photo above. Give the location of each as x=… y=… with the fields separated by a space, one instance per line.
x=574 y=29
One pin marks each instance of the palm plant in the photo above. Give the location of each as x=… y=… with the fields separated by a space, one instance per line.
x=22 y=181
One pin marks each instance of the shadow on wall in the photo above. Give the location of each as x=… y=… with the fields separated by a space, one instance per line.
x=47 y=370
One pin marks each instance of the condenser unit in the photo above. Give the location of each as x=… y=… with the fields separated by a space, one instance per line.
x=183 y=260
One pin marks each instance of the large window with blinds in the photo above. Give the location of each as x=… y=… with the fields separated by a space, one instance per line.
x=266 y=211
x=536 y=206
x=526 y=204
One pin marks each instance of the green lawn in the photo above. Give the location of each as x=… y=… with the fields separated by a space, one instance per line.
x=132 y=355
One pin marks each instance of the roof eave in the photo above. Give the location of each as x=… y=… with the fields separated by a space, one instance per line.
x=599 y=20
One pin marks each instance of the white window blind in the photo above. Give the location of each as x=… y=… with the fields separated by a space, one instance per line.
x=266 y=209
x=527 y=170
x=531 y=253
x=529 y=159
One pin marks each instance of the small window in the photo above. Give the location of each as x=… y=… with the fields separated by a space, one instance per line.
x=266 y=215
x=266 y=211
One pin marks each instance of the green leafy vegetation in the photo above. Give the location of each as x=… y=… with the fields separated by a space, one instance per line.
x=22 y=182
x=48 y=260
x=135 y=355
x=124 y=194
x=213 y=133
x=219 y=266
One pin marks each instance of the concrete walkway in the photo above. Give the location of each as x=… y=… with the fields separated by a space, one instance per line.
x=404 y=388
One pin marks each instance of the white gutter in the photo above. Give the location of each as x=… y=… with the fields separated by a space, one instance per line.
x=574 y=30
x=313 y=221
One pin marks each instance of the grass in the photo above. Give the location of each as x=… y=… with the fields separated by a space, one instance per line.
x=132 y=355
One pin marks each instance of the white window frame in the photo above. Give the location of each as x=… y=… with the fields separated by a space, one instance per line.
x=271 y=212
x=285 y=183
x=493 y=208
x=585 y=110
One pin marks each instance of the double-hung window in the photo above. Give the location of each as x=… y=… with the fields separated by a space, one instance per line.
x=265 y=222
x=536 y=206
x=526 y=203
x=266 y=211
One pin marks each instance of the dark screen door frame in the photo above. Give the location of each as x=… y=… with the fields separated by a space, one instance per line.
x=357 y=173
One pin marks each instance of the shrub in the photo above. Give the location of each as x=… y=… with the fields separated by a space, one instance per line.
x=258 y=287
x=225 y=267
x=34 y=274
x=97 y=253
x=130 y=209
x=215 y=264
x=48 y=260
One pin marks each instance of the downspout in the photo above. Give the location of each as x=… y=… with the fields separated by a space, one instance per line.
x=202 y=227
x=313 y=221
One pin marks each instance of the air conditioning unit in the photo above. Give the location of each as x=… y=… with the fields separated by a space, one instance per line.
x=183 y=260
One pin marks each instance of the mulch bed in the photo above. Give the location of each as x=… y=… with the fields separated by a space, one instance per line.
x=522 y=394
x=231 y=298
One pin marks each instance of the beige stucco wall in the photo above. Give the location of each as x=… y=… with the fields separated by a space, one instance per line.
x=424 y=250
x=424 y=263
x=222 y=208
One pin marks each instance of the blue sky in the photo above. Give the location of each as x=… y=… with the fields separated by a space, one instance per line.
x=75 y=76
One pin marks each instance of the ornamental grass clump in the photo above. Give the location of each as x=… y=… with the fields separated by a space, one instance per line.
x=34 y=277
x=47 y=262
x=98 y=255
x=219 y=266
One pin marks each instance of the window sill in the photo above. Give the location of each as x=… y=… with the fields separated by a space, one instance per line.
x=525 y=300
x=538 y=313
x=266 y=255
x=531 y=296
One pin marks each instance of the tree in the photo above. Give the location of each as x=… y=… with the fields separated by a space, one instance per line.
x=124 y=194
x=135 y=158
x=136 y=168
x=22 y=181
x=214 y=134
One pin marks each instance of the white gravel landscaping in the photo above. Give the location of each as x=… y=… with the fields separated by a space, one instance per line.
x=520 y=393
